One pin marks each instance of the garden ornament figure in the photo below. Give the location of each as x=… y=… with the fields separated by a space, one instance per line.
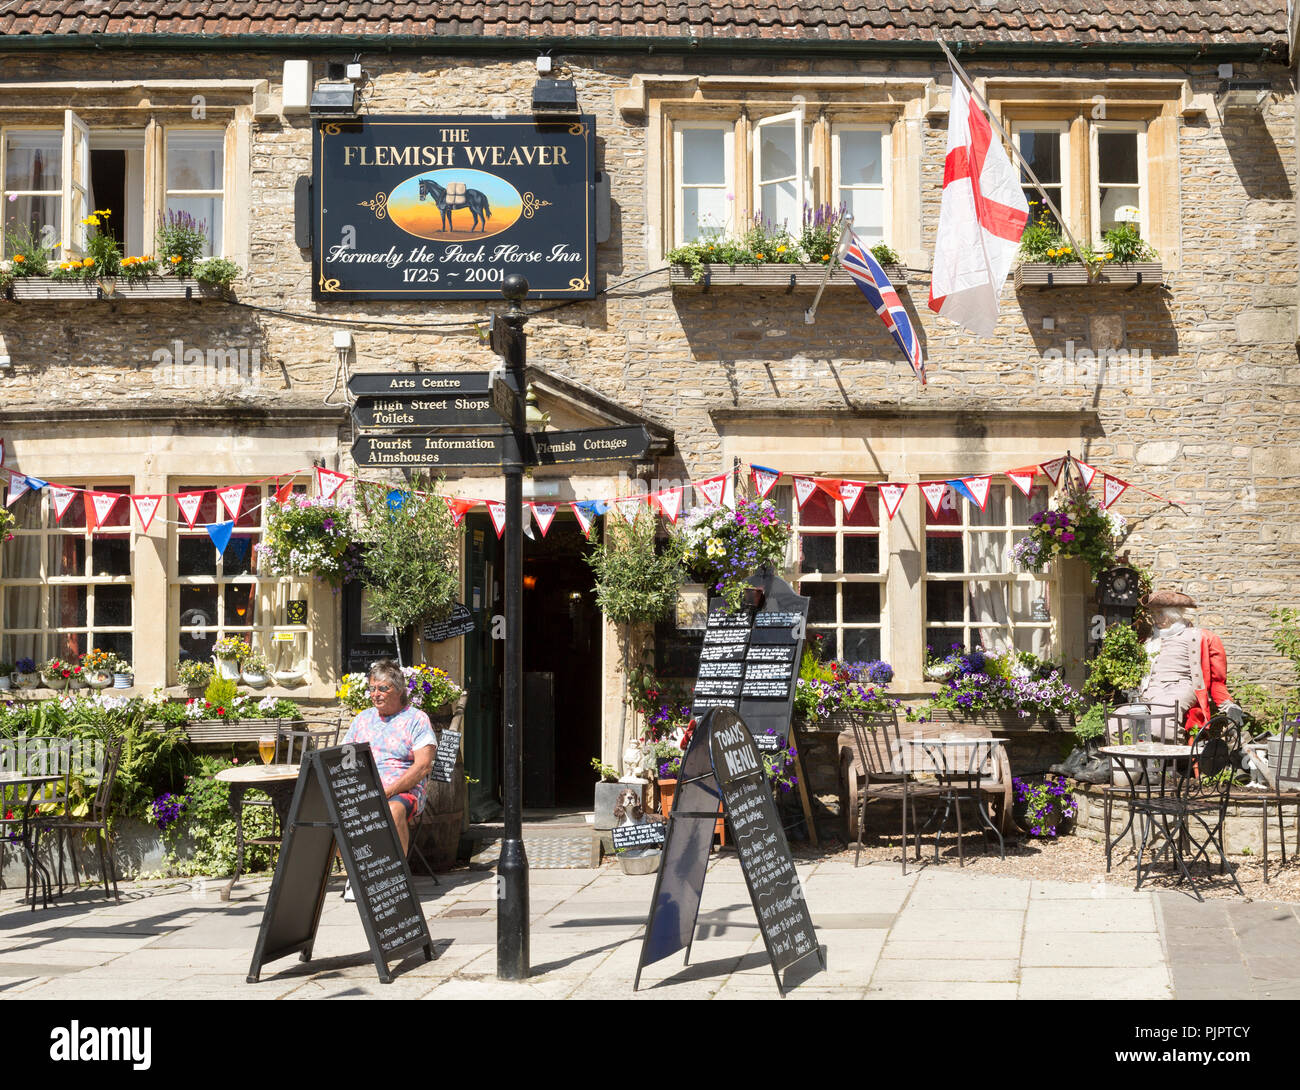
x=1189 y=667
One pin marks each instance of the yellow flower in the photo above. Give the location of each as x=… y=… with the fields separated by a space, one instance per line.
x=759 y=256
x=176 y=259
x=19 y=259
x=91 y=221
x=780 y=249
x=88 y=263
x=105 y=212
x=826 y=257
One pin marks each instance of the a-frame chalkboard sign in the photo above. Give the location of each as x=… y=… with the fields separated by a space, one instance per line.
x=340 y=798
x=722 y=762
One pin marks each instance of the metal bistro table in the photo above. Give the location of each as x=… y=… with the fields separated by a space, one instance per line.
x=276 y=780
x=1159 y=760
x=962 y=767
x=32 y=781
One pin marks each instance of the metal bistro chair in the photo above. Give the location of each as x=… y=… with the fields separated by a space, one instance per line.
x=965 y=770
x=1126 y=724
x=1187 y=799
x=879 y=747
x=1283 y=785
x=102 y=775
x=290 y=748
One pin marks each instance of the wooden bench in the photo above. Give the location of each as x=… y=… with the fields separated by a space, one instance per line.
x=852 y=773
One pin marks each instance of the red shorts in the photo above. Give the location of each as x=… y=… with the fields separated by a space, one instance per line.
x=408 y=800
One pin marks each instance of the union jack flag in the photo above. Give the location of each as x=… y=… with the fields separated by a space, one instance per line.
x=870 y=277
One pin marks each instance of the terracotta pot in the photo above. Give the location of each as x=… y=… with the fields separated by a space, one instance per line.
x=667 y=789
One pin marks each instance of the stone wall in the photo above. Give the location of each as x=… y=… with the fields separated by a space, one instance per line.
x=1215 y=429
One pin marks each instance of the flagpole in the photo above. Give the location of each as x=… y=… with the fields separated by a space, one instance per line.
x=810 y=315
x=1015 y=151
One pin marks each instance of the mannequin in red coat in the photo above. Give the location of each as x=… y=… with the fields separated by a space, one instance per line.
x=1189 y=668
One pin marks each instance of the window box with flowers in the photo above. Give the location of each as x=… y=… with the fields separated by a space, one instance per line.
x=106 y=273
x=1047 y=259
x=767 y=256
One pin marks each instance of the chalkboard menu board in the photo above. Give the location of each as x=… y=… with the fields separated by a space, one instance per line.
x=340 y=799
x=722 y=762
x=774 y=886
x=445 y=756
x=750 y=661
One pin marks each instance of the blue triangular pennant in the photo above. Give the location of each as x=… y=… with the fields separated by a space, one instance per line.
x=35 y=483
x=960 y=488
x=598 y=507
x=220 y=533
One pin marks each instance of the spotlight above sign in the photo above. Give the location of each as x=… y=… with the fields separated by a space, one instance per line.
x=448 y=207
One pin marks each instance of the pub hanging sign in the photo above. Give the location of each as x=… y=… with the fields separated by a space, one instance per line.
x=448 y=207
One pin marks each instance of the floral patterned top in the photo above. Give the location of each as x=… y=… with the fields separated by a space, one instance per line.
x=393 y=741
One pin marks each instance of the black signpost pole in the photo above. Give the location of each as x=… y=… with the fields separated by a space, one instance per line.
x=512 y=870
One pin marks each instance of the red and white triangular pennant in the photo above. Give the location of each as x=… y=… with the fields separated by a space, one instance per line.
x=1086 y=471
x=628 y=508
x=146 y=507
x=1053 y=469
x=61 y=497
x=232 y=498
x=283 y=492
x=584 y=519
x=891 y=495
x=831 y=487
x=328 y=481
x=497 y=512
x=1023 y=479
x=189 y=503
x=850 y=493
x=457 y=507
x=544 y=513
x=803 y=488
x=934 y=491
x=764 y=480
x=979 y=488
x=17 y=486
x=1111 y=489
x=102 y=504
x=713 y=488
x=669 y=502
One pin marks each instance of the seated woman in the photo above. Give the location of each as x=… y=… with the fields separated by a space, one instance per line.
x=402 y=741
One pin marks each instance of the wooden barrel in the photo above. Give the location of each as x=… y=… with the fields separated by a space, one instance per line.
x=444 y=818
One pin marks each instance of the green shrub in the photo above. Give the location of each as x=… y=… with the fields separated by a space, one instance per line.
x=221 y=692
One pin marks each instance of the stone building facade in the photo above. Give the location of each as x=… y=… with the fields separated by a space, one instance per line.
x=1196 y=403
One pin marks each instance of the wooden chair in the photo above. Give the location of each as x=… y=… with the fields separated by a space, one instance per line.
x=1283 y=786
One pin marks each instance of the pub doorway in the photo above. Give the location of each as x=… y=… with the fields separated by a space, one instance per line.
x=562 y=667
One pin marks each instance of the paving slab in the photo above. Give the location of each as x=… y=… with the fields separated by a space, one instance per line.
x=1091 y=949
x=1146 y=982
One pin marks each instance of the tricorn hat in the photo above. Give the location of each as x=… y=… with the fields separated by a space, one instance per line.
x=1162 y=599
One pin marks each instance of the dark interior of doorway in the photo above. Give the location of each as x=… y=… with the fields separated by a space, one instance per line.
x=562 y=671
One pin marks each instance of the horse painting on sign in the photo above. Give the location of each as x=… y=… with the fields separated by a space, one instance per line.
x=474 y=200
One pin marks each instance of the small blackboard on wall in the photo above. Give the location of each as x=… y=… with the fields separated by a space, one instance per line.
x=445 y=756
x=340 y=799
